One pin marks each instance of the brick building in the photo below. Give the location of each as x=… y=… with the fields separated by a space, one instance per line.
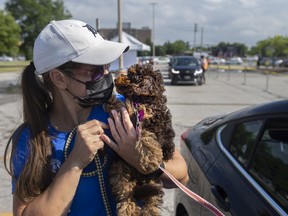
x=143 y=34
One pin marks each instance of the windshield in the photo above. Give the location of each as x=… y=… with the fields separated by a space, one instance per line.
x=186 y=62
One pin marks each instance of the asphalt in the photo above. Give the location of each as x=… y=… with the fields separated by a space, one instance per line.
x=224 y=91
x=9 y=119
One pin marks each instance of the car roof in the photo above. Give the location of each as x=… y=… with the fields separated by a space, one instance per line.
x=269 y=108
x=183 y=56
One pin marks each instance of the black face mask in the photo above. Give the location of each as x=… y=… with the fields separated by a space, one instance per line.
x=98 y=91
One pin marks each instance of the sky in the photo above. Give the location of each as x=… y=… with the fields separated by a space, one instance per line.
x=241 y=21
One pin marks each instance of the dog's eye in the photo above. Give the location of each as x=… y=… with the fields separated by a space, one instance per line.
x=130 y=76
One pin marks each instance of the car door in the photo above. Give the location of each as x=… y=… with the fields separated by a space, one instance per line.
x=233 y=180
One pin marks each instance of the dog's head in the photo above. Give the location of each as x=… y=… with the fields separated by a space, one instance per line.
x=142 y=84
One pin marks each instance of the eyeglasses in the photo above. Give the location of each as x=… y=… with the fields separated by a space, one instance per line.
x=95 y=72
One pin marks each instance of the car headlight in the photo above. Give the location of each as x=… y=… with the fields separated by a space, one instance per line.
x=175 y=71
x=199 y=71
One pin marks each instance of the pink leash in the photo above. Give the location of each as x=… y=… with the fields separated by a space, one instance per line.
x=193 y=195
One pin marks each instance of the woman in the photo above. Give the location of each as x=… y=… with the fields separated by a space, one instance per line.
x=62 y=153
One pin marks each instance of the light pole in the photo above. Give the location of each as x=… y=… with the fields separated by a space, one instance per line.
x=120 y=33
x=202 y=35
x=195 y=31
x=153 y=28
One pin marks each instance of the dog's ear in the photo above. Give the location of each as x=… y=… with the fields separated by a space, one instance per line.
x=150 y=86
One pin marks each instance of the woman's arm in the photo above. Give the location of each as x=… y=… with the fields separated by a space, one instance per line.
x=176 y=167
x=58 y=197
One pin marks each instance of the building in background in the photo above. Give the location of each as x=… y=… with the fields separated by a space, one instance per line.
x=143 y=34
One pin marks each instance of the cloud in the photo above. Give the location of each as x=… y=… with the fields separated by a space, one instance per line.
x=243 y=21
x=250 y=3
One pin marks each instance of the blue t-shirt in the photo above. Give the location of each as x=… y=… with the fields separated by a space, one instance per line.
x=88 y=199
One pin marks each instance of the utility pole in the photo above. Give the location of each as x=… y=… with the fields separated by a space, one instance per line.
x=195 y=31
x=97 y=25
x=202 y=35
x=153 y=28
x=120 y=33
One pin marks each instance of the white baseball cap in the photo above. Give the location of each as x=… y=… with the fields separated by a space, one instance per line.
x=72 y=40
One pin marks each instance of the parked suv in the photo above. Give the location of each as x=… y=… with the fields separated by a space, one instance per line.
x=185 y=69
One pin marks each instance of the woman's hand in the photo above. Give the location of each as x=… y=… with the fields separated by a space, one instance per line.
x=88 y=142
x=125 y=136
x=61 y=191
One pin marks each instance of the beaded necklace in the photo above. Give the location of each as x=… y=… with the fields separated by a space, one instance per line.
x=98 y=171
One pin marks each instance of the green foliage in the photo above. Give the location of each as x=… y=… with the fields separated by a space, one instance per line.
x=229 y=49
x=176 y=48
x=9 y=35
x=160 y=51
x=147 y=53
x=33 y=16
x=271 y=47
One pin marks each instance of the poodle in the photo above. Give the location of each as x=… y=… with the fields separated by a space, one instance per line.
x=143 y=88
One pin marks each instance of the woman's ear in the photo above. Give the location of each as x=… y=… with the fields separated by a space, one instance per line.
x=58 y=78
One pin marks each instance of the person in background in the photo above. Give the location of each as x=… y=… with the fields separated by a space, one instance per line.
x=62 y=152
x=204 y=66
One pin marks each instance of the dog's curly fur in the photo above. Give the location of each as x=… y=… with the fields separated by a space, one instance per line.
x=143 y=89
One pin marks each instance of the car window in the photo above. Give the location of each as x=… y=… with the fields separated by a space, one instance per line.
x=226 y=134
x=186 y=62
x=261 y=147
x=269 y=165
x=243 y=140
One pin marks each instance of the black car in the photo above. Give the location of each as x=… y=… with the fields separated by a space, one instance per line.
x=238 y=162
x=185 y=69
x=284 y=63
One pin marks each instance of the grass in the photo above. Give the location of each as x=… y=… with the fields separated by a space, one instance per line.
x=13 y=66
x=17 y=66
x=263 y=69
x=233 y=67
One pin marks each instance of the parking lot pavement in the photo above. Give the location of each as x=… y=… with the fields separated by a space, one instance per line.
x=9 y=118
x=224 y=92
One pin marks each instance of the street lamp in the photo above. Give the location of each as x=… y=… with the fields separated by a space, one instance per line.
x=195 y=31
x=153 y=28
x=120 y=33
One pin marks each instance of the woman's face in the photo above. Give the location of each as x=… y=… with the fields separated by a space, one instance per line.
x=83 y=73
x=91 y=72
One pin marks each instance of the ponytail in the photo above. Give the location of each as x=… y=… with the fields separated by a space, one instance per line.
x=36 y=99
x=36 y=174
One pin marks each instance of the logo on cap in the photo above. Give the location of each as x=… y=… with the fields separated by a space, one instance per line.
x=91 y=29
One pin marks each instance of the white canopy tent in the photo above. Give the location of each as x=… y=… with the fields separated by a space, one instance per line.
x=130 y=57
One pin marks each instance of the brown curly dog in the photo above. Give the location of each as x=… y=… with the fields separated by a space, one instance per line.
x=145 y=102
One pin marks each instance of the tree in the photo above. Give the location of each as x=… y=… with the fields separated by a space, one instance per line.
x=176 y=48
x=159 y=50
x=229 y=50
x=33 y=16
x=9 y=35
x=272 y=47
